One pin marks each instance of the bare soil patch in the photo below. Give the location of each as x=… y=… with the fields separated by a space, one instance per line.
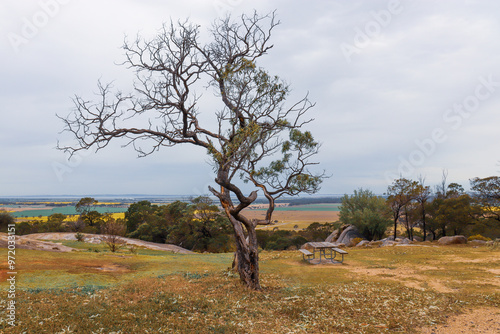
x=481 y=320
x=407 y=276
x=111 y=267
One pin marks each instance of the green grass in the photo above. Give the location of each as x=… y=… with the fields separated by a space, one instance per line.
x=378 y=290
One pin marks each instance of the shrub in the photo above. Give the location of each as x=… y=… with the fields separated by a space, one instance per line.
x=79 y=237
x=113 y=230
x=356 y=241
x=5 y=219
x=478 y=237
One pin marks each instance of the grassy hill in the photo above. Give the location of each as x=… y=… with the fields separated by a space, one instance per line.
x=395 y=289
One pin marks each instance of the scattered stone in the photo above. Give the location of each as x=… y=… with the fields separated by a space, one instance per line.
x=388 y=243
x=405 y=241
x=377 y=243
x=363 y=243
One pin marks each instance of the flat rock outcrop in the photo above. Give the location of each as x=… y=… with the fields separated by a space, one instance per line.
x=25 y=243
x=453 y=240
x=35 y=241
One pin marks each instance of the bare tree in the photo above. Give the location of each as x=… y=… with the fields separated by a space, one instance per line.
x=256 y=137
x=112 y=233
x=400 y=193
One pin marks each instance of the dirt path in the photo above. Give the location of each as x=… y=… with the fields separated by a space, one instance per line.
x=482 y=320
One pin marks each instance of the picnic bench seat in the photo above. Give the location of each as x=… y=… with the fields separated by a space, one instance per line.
x=322 y=248
x=306 y=255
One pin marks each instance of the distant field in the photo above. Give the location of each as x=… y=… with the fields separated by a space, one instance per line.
x=309 y=207
x=65 y=210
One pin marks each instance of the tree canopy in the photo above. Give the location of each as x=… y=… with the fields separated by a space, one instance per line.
x=367 y=212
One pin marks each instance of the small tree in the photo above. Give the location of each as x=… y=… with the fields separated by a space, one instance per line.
x=367 y=212
x=452 y=211
x=85 y=205
x=5 y=219
x=400 y=193
x=255 y=136
x=487 y=195
x=113 y=231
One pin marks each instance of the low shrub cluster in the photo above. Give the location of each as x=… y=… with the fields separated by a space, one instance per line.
x=478 y=237
x=198 y=226
x=285 y=239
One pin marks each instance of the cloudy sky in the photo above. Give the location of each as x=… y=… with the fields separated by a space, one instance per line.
x=401 y=88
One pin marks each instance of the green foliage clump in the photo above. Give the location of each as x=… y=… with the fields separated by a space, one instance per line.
x=366 y=211
x=318 y=232
x=55 y=223
x=79 y=236
x=285 y=239
x=5 y=219
x=198 y=226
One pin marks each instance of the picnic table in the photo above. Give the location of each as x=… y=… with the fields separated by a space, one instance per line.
x=327 y=250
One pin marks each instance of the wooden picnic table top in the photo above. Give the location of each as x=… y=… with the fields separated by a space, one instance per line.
x=321 y=244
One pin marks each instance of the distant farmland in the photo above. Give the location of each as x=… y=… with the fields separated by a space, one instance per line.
x=310 y=207
x=65 y=210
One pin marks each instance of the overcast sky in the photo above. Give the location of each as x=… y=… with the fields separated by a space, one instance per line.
x=401 y=88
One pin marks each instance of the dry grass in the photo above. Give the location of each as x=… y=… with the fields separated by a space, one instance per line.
x=287 y=220
x=87 y=292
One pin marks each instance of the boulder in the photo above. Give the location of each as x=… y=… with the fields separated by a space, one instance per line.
x=333 y=236
x=478 y=242
x=377 y=243
x=405 y=241
x=349 y=233
x=454 y=240
x=388 y=243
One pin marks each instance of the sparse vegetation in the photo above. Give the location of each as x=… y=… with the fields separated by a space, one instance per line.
x=79 y=236
x=172 y=293
x=112 y=233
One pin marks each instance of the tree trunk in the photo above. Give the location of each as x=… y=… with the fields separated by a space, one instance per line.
x=423 y=223
x=395 y=225
x=246 y=260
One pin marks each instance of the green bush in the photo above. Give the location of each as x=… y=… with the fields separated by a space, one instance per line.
x=79 y=237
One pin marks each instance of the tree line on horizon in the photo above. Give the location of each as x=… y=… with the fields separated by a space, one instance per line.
x=198 y=225
x=424 y=212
